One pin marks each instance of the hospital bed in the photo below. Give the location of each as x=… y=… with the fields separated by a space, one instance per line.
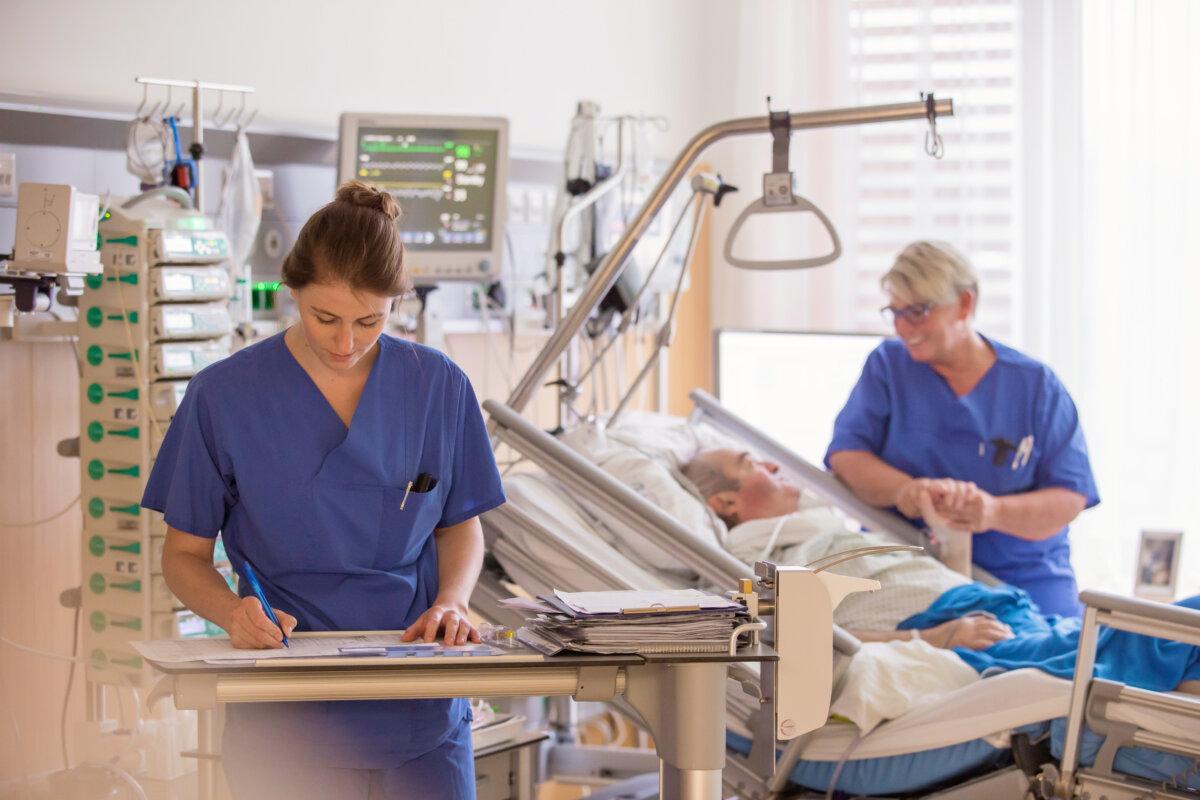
x=572 y=525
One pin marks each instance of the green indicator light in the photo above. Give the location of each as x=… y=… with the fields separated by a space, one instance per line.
x=130 y=240
x=124 y=356
x=95 y=470
x=95 y=431
x=449 y=145
x=96 y=546
x=133 y=662
x=95 y=394
x=267 y=286
x=99 y=659
x=132 y=510
x=132 y=472
x=131 y=394
x=131 y=279
x=130 y=433
x=94 y=281
x=95 y=317
x=132 y=547
x=96 y=507
x=133 y=624
x=192 y=223
x=463 y=151
x=130 y=586
x=97 y=583
x=98 y=621
x=95 y=355
x=133 y=317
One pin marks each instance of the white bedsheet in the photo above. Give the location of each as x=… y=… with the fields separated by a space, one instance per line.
x=886 y=680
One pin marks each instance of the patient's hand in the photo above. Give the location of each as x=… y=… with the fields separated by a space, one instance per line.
x=975 y=632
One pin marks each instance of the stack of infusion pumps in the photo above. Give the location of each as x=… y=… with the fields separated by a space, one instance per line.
x=157 y=315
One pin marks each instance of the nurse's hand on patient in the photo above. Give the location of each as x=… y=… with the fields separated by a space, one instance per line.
x=977 y=513
x=250 y=629
x=445 y=620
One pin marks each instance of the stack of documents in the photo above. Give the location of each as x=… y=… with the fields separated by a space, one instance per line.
x=677 y=621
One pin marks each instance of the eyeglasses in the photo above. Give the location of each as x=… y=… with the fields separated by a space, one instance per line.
x=914 y=314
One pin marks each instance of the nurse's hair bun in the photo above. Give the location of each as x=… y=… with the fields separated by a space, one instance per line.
x=357 y=193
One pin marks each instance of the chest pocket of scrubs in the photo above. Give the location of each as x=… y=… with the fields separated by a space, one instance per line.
x=346 y=534
x=403 y=533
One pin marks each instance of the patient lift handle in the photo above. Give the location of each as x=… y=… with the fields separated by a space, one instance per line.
x=779 y=197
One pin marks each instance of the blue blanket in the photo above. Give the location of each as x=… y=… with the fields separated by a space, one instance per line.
x=1049 y=643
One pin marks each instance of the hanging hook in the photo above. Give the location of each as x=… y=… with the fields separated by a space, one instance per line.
x=243 y=125
x=145 y=97
x=933 y=140
x=167 y=105
x=240 y=111
x=769 y=110
x=216 y=115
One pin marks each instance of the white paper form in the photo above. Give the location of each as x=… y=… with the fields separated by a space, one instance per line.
x=634 y=602
x=219 y=649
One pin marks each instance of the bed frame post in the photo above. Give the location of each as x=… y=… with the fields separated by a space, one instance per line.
x=1085 y=662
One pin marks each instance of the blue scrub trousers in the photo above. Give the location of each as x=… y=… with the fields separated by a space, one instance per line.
x=446 y=773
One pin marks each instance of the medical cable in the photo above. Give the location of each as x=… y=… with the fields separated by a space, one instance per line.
x=44 y=520
x=834 y=559
x=762 y=556
x=42 y=653
x=146 y=146
x=62 y=722
x=627 y=317
x=837 y=771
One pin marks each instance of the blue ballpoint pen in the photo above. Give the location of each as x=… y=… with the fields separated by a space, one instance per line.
x=256 y=587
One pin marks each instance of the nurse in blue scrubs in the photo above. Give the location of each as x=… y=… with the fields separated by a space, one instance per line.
x=947 y=425
x=349 y=469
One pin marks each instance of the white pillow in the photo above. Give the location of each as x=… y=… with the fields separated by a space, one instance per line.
x=646 y=451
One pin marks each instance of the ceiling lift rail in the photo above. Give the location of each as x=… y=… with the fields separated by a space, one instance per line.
x=606 y=275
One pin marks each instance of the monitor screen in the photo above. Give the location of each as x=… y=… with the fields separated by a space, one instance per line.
x=445 y=179
x=790 y=384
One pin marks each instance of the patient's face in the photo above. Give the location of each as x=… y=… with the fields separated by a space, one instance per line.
x=763 y=491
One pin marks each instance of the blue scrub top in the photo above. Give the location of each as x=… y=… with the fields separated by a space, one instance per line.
x=1015 y=432
x=256 y=453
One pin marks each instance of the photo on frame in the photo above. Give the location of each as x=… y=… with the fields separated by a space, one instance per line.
x=1157 y=564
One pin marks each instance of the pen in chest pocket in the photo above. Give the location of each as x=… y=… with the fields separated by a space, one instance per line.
x=424 y=483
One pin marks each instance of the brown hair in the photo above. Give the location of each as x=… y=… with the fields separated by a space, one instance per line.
x=352 y=240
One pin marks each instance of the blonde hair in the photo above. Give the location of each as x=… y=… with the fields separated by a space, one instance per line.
x=930 y=272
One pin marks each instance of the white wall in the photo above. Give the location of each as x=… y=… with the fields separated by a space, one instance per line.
x=529 y=60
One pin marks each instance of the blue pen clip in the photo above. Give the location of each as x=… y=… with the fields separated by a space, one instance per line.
x=256 y=587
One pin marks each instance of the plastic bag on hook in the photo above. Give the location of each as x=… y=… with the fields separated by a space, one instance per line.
x=240 y=211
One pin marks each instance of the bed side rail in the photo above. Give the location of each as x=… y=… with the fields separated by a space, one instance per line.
x=709 y=409
x=586 y=480
x=1146 y=617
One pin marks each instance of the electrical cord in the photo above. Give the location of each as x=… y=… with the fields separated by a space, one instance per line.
x=44 y=520
x=44 y=654
x=62 y=723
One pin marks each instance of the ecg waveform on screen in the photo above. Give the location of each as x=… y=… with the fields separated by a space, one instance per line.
x=412 y=166
x=418 y=194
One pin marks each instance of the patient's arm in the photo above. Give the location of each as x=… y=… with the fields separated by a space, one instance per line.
x=974 y=632
x=1189 y=687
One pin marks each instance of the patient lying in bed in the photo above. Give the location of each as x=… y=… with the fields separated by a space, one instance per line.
x=988 y=627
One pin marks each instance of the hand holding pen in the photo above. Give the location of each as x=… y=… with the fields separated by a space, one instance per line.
x=253 y=624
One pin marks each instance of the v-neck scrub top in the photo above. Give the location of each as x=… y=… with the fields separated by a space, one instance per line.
x=257 y=454
x=1016 y=431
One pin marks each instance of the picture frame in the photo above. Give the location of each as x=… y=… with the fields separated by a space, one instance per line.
x=1156 y=568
